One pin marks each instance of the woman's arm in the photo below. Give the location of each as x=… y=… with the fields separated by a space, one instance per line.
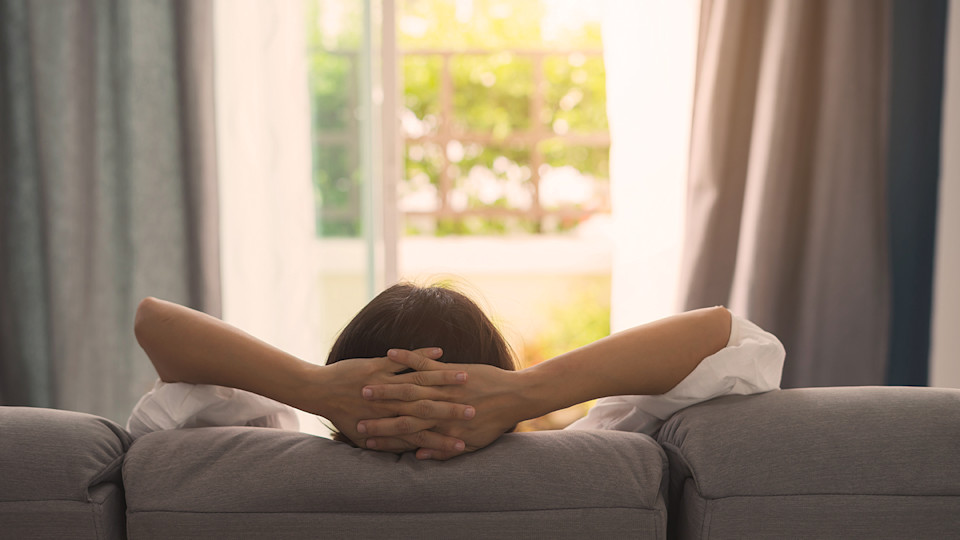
x=646 y=360
x=189 y=346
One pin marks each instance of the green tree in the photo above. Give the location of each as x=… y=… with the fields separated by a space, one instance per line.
x=494 y=88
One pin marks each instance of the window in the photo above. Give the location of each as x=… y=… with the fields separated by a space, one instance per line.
x=505 y=130
x=501 y=172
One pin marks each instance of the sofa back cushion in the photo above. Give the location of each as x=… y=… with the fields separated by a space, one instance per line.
x=61 y=474
x=240 y=480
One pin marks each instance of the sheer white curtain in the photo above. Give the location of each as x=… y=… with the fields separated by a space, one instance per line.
x=650 y=52
x=266 y=195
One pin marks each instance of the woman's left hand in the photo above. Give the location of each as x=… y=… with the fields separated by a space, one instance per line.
x=496 y=395
x=335 y=392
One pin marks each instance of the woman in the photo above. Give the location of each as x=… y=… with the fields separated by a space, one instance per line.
x=394 y=395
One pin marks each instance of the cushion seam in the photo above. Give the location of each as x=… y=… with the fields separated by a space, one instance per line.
x=825 y=495
x=652 y=510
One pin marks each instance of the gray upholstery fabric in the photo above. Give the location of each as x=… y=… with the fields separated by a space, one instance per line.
x=853 y=517
x=853 y=462
x=60 y=474
x=251 y=480
x=574 y=523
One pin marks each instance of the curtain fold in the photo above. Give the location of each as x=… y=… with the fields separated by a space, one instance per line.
x=106 y=181
x=786 y=215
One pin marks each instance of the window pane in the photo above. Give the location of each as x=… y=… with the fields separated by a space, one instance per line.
x=333 y=33
x=574 y=183
x=492 y=177
x=576 y=92
x=486 y=24
x=336 y=188
x=421 y=95
x=419 y=190
x=593 y=161
x=492 y=93
x=332 y=91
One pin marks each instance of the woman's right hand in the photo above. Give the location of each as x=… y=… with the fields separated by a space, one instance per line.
x=334 y=392
x=495 y=394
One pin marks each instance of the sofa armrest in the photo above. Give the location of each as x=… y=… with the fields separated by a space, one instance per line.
x=61 y=474
x=819 y=452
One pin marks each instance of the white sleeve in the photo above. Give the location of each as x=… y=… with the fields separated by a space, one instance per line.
x=183 y=405
x=751 y=363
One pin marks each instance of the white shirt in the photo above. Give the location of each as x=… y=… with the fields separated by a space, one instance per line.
x=184 y=405
x=751 y=363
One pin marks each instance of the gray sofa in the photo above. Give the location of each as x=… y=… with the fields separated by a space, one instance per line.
x=869 y=462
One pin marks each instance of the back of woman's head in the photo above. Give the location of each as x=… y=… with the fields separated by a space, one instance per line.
x=407 y=316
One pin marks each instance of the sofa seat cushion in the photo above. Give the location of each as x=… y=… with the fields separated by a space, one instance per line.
x=859 y=462
x=230 y=481
x=60 y=474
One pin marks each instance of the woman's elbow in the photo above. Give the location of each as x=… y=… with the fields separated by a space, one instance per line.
x=148 y=328
x=146 y=311
x=152 y=315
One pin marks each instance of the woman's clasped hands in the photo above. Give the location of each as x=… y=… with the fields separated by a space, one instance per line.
x=442 y=410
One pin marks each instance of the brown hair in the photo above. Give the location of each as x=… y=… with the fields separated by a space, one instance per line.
x=407 y=316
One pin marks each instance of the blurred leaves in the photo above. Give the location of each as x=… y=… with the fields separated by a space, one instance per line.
x=574 y=323
x=570 y=324
x=491 y=94
x=575 y=93
x=493 y=101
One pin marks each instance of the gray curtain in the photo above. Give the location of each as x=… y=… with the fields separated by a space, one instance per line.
x=107 y=191
x=786 y=210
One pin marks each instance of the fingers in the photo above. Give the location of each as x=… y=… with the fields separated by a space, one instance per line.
x=435 y=442
x=416 y=385
x=418 y=360
x=396 y=426
x=402 y=403
x=443 y=377
x=389 y=444
x=436 y=410
x=438 y=455
x=428 y=442
x=407 y=392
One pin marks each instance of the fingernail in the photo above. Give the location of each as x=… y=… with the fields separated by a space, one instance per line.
x=425 y=455
x=469 y=412
x=392 y=353
x=362 y=428
x=437 y=351
x=371 y=444
x=461 y=376
x=459 y=446
x=367 y=393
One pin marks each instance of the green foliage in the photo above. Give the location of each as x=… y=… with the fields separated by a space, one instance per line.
x=336 y=198
x=573 y=324
x=492 y=24
x=421 y=77
x=333 y=82
x=590 y=160
x=576 y=93
x=493 y=95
